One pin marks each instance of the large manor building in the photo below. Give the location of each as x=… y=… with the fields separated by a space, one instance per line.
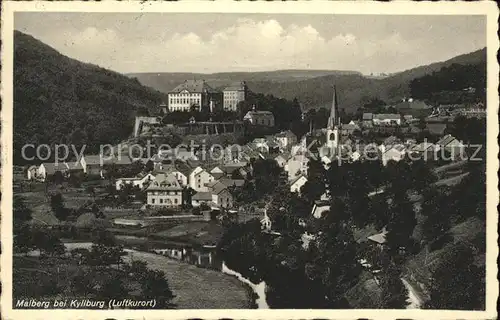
x=195 y=93
x=233 y=95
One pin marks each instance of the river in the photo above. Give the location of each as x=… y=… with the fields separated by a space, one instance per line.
x=258 y=289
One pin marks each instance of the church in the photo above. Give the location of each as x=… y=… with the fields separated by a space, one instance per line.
x=331 y=147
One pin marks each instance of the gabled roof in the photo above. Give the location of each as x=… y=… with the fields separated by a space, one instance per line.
x=259 y=113
x=297 y=179
x=202 y=196
x=218 y=188
x=217 y=175
x=92 y=159
x=164 y=182
x=422 y=147
x=391 y=140
x=228 y=182
x=51 y=168
x=349 y=126
x=194 y=86
x=397 y=147
x=387 y=116
x=236 y=86
x=444 y=141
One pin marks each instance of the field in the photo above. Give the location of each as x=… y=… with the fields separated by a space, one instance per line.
x=194 y=288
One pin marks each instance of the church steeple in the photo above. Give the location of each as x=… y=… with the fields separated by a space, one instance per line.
x=332 y=130
x=334 y=119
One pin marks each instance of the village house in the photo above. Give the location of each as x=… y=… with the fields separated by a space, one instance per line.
x=31 y=172
x=321 y=206
x=386 y=119
x=198 y=179
x=260 y=118
x=452 y=146
x=140 y=181
x=379 y=239
x=381 y=119
x=228 y=182
x=296 y=166
x=297 y=184
x=201 y=197
x=424 y=150
x=221 y=197
x=48 y=169
x=177 y=154
x=393 y=153
x=178 y=168
x=349 y=128
x=165 y=190
x=286 y=139
x=282 y=159
x=234 y=94
x=217 y=172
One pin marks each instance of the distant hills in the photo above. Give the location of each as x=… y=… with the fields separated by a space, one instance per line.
x=58 y=99
x=165 y=81
x=313 y=88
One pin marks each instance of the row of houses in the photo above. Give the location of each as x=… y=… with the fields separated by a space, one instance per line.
x=88 y=164
x=394 y=149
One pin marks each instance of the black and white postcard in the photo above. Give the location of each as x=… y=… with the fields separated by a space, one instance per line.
x=226 y=159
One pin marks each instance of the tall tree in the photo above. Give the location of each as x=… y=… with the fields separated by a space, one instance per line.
x=402 y=222
x=394 y=292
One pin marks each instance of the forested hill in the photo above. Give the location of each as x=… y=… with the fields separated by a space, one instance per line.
x=356 y=90
x=166 y=81
x=58 y=99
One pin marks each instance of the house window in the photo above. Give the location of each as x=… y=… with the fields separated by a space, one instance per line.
x=161 y=201
x=175 y=200
x=153 y=201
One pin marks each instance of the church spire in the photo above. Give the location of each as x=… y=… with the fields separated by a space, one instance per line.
x=334 y=118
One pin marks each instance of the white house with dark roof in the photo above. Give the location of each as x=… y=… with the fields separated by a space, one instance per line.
x=260 y=118
x=48 y=169
x=201 y=197
x=198 y=179
x=286 y=139
x=221 y=197
x=296 y=166
x=297 y=184
x=194 y=93
x=393 y=153
x=165 y=190
x=387 y=119
x=139 y=181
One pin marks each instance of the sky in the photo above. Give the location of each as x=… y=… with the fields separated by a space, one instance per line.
x=210 y=42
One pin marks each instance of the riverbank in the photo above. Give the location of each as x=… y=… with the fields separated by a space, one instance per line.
x=194 y=288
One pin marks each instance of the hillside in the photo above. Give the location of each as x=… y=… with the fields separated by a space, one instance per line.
x=58 y=99
x=313 y=89
x=165 y=81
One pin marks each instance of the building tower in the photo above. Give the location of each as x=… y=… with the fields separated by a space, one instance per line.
x=332 y=129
